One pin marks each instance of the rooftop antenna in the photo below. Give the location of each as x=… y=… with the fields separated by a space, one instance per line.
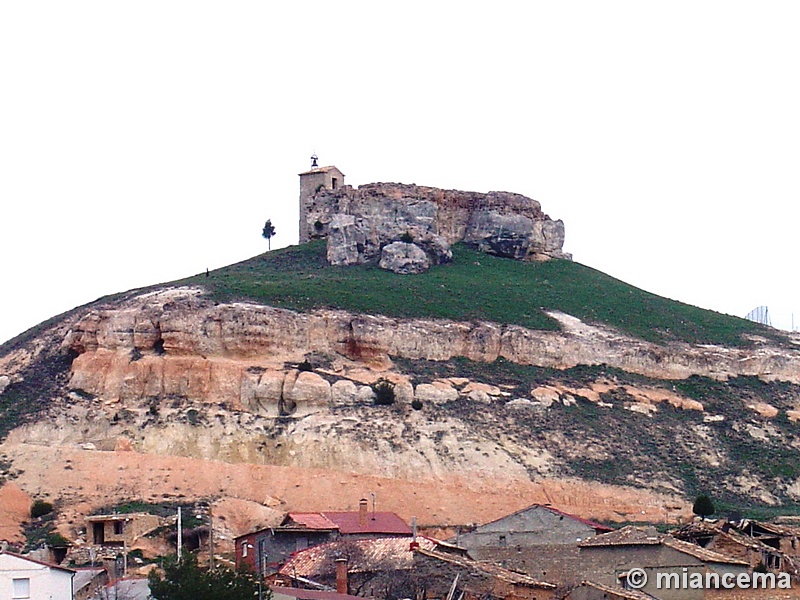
x=314 y=159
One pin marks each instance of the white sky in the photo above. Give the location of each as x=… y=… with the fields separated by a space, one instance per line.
x=144 y=141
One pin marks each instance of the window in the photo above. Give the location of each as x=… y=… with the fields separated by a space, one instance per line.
x=21 y=588
x=118 y=527
x=502 y=541
x=334 y=183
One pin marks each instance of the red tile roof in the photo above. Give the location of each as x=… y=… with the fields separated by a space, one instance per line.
x=302 y=594
x=310 y=521
x=347 y=523
x=382 y=554
x=376 y=522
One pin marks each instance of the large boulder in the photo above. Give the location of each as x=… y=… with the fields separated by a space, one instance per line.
x=435 y=246
x=304 y=391
x=435 y=393
x=343 y=393
x=404 y=258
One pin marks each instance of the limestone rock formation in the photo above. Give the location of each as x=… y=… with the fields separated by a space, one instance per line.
x=358 y=223
x=404 y=258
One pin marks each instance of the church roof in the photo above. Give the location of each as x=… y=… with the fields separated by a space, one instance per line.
x=322 y=170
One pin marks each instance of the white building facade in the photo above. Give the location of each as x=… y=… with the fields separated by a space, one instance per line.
x=23 y=578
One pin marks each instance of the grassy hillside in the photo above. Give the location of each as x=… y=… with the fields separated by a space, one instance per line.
x=475 y=286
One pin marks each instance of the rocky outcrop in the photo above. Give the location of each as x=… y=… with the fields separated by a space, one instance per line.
x=515 y=236
x=404 y=258
x=358 y=223
x=181 y=345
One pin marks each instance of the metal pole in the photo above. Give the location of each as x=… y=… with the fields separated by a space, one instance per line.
x=210 y=538
x=180 y=533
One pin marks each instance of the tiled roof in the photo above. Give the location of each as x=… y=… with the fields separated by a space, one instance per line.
x=782 y=530
x=700 y=553
x=349 y=522
x=627 y=536
x=382 y=554
x=647 y=536
x=376 y=522
x=84 y=577
x=38 y=562
x=302 y=594
x=321 y=170
x=592 y=524
x=691 y=531
x=310 y=521
x=618 y=591
x=489 y=568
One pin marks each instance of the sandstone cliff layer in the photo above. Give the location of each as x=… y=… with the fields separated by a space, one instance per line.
x=183 y=344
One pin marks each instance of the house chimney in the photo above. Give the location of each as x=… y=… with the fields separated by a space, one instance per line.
x=414 y=542
x=362 y=512
x=341 y=575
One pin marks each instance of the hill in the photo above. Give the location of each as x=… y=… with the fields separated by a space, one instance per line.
x=514 y=382
x=476 y=286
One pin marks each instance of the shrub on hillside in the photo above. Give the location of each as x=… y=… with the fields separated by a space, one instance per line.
x=41 y=508
x=384 y=392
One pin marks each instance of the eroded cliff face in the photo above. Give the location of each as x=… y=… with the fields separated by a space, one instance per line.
x=173 y=374
x=177 y=343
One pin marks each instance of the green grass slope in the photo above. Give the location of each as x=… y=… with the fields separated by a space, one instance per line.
x=475 y=286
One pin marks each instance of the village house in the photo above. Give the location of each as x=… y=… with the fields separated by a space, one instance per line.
x=536 y=525
x=366 y=567
x=119 y=529
x=405 y=568
x=263 y=551
x=607 y=559
x=726 y=540
x=540 y=540
x=436 y=572
x=25 y=578
x=783 y=538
